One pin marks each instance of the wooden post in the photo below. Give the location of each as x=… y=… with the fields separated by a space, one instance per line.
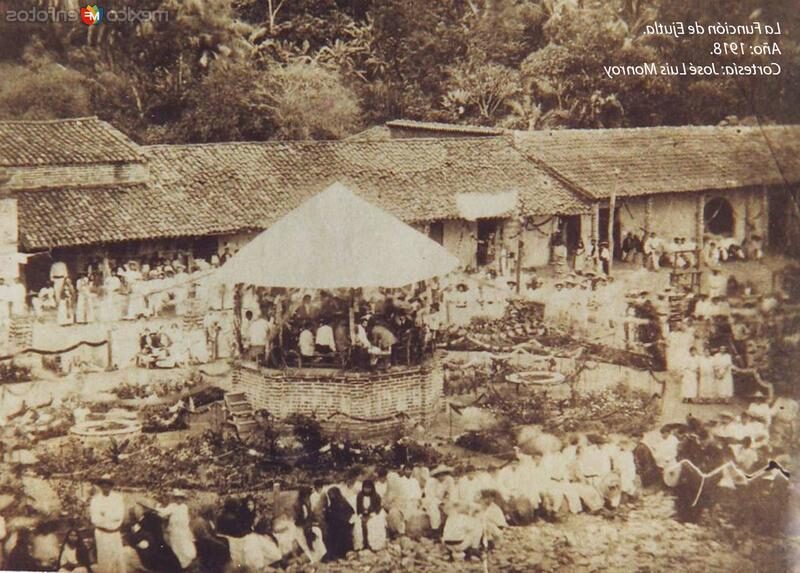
x=612 y=202
x=450 y=411
x=700 y=220
x=765 y=216
x=351 y=316
x=109 y=353
x=519 y=252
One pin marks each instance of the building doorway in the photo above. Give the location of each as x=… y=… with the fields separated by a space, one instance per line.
x=487 y=232
x=571 y=231
x=718 y=216
x=603 y=230
x=436 y=231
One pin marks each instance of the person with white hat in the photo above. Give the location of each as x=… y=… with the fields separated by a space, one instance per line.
x=178 y=533
x=107 y=511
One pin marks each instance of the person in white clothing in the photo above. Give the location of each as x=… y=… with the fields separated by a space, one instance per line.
x=18 y=295
x=723 y=374
x=3 y=534
x=257 y=334
x=689 y=376
x=324 y=342
x=652 y=252
x=178 y=533
x=305 y=342
x=107 y=511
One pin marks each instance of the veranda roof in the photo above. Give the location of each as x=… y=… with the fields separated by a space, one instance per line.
x=338 y=240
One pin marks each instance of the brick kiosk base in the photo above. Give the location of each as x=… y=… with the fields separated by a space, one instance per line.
x=357 y=404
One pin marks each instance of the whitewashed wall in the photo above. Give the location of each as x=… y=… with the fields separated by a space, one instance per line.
x=459 y=239
x=676 y=215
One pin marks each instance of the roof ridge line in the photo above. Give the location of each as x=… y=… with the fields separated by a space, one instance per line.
x=553 y=172
x=325 y=142
x=524 y=132
x=57 y=120
x=123 y=185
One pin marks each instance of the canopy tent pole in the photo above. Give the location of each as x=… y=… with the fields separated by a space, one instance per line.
x=351 y=316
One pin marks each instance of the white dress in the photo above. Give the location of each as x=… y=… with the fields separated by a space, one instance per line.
x=689 y=378
x=107 y=513
x=723 y=374
x=376 y=530
x=178 y=533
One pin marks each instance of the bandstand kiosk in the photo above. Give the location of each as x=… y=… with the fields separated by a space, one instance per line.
x=337 y=242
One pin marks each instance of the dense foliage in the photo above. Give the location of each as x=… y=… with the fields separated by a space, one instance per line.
x=221 y=463
x=615 y=410
x=11 y=372
x=212 y=70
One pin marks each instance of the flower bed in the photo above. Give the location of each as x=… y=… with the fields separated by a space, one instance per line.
x=214 y=462
x=616 y=410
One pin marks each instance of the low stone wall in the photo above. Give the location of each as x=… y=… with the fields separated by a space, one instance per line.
x=359 y=404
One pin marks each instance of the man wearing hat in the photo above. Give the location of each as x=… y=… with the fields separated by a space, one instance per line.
x=107 y=511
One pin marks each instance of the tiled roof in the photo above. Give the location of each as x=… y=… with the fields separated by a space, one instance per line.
x=85 y=140
x=230 y=187
x=82 y=216
x=644 y=161
x=435 y=127
x=374 y=133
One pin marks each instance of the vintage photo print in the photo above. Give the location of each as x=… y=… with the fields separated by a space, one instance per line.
x=437 y=286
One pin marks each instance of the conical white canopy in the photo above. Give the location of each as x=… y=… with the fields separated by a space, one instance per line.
x=337 y=240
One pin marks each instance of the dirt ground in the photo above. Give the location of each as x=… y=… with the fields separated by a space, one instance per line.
x=642 y=538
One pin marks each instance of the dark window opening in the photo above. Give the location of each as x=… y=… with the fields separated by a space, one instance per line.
x=718 y=216
x=436 y=232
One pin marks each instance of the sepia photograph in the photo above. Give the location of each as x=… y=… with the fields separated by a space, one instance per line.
x=377 y=286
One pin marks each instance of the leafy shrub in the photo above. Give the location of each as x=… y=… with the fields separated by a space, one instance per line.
x=308 y=431
x=619 y=410
x=11 y=372
x=485 y=442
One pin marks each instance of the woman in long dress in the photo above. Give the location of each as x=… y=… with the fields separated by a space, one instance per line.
x=136 y=303
x=706 y=388
x=178 y=532
x=339 y=525
x=689 y=376
x=65 y=304
x=111 y=287
x=370 y=524
x=723 y=374
x=579 y=263
x=107 y=512
x=309 y=534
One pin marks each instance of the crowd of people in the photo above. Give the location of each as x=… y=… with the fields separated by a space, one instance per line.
x=466 y=513
x=730 y=448
x=683 y=253
x=707 y=376
x=654 y=252
x=328 y=521
x=108 y=290
x=387 y=328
